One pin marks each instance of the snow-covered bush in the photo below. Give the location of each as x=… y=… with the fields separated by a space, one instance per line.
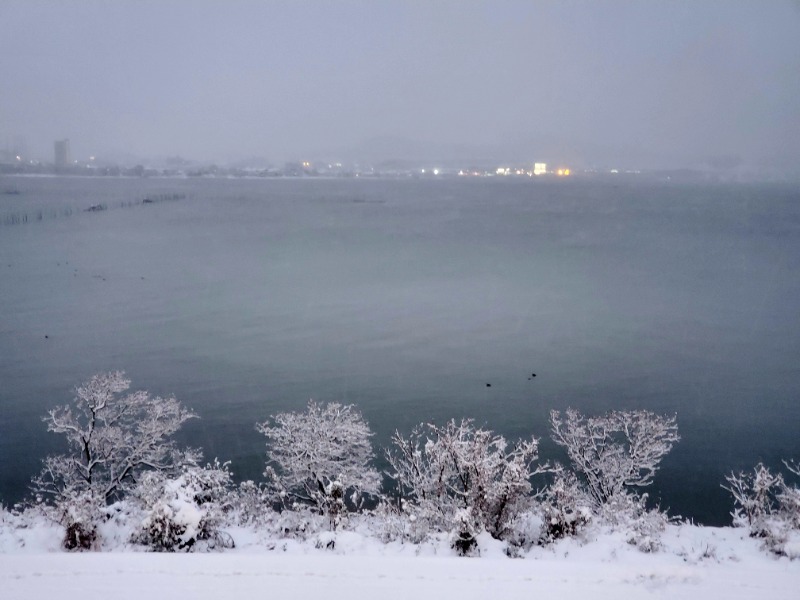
x=615 y=452
x=184 y=513
x=565 y=508
x=300 y=523
x=767 y=505
x=444 y=470
x=789 y=498
x=325 y=541
x=321 y=458
x=629 y=514
x=80 y=514
x=400 y=520
x=645 y=530
x=251 y=504
x=464 y=536
x=525 y=530
x=755 y=497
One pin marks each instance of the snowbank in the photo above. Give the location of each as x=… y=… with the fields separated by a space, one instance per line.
x=695 y=562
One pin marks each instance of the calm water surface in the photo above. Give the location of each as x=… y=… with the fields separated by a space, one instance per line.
x=249 y=297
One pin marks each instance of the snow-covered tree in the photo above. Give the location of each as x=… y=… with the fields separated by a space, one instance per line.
x=321 y=458
x=615 y=452
x=112 y=437
x=458 y=467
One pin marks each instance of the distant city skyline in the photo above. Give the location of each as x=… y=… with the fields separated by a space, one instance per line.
x=646 y=84
x=387 y=155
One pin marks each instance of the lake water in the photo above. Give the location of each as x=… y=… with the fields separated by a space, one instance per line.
x=406 y=297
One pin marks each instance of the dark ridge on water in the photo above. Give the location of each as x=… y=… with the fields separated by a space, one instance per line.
x=22 y=218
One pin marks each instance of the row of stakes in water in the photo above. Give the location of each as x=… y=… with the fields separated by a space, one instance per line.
x=21 y=218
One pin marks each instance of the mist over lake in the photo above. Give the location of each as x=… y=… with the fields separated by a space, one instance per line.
x=244 y=298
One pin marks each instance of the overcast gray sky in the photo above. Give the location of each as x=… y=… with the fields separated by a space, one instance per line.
x=662 y=82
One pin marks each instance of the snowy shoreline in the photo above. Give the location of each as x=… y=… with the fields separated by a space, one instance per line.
x=694 y=562
x=467 y=521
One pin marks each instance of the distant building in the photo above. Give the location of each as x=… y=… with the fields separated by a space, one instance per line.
x=63 y=158
x=539 y=168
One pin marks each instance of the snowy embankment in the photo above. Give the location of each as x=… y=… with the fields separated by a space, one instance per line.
x=694 y=562
x=463 y=490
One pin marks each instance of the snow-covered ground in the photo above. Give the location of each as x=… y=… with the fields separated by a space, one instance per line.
x=694 y=562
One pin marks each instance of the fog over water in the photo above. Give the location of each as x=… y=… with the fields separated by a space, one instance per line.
x=614 y=84
x=249 y=297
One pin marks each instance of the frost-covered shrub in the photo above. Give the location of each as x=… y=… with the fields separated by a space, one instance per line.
x=645 y=531
x=768 y=506
x=325 y=541
x=185 y=513
x=299 y=522
x=321 y=458
x=524 y=531
x=565 y=508
x=629 y=513
x=442 y=471
x=390 y=522
x=168 y=527
x=400 y=521
x=789 y=498
x=464 y=536
x=755 y=497
x=251 y=504
x=80 y=514
x=616 y=452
